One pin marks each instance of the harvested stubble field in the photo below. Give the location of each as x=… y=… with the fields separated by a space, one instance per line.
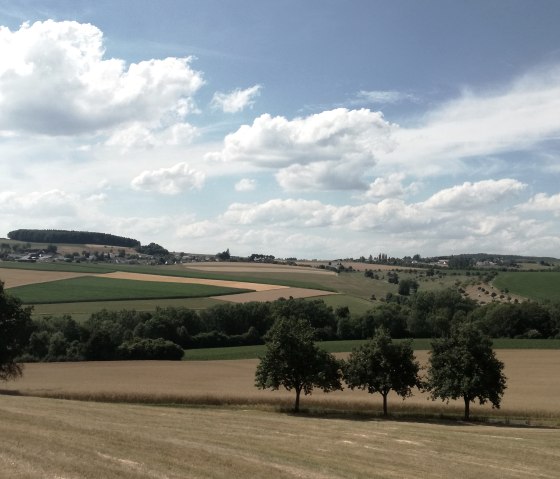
x=68 y=439
x=13 y=278
x=533 y=386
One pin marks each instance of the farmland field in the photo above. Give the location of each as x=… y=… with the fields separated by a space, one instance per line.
x=533 y=388
x=104 y=289
x=68 y=439
x=534 y=285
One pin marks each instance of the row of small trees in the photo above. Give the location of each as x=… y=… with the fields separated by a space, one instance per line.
x=462 y=366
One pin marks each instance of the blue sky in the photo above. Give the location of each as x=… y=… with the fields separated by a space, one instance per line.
x=317 y=129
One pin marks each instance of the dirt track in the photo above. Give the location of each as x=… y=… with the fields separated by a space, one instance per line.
x=273 y=295
x=178 y=279
x=21 y=277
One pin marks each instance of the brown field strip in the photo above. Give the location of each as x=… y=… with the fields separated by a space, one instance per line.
x=273 y=295
x=21 y=277
x=533 y=384
x=177 y=279
x=47 y=438
x=232 y=267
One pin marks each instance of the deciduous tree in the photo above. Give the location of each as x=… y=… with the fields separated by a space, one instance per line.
x=465 y=366
x=15 y=328
x=293 y=361
x=381 y=366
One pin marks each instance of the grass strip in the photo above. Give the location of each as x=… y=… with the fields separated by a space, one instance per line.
x=87 y=289
x=346 y=346
x=539 y=286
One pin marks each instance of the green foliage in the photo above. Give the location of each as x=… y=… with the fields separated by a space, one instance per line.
x=71 y=237
x=381 y=366
x=293 y=361
x=152 y=249
x=408 y=287
x=465 y=366
x=433 y=313
x=151 y=349
x=15 y=328
x=523 y=320
x=320 y=316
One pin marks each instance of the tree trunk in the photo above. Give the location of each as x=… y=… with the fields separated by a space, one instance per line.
x=296 y=406
x=467 y=407
x=385 y=403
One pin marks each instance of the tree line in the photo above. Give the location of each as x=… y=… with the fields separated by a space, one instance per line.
x=461 y=366
x=71 y=237
x=166 y=332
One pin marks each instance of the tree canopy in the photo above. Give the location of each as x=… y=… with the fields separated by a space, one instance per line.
x=15 y=329
x=293 y=361
x=464 y=365
x=75 y=237
x=381 y=366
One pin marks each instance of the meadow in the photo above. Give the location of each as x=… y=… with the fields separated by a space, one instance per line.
x=538 y=286
x=344 y=346
x=91 y=288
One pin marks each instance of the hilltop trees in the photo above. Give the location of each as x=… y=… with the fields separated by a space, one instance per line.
x=15 y=329
x=76 y=237
x=465 y=366
x=294 y=362
x=381 y=366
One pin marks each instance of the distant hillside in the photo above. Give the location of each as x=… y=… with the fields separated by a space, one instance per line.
x=73 y=237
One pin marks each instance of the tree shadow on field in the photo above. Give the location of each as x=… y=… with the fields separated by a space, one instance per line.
x=439 y=419
x=10 y=392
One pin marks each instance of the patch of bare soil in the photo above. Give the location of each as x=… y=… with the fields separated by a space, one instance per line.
x=273 y=295
x=21 y=277
x=177 y=279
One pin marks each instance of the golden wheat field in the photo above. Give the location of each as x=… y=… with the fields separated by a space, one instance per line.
x=533 y=385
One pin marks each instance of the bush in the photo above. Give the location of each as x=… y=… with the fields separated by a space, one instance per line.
x=150 y=349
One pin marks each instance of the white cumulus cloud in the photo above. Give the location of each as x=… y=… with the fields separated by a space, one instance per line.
x=236 y=100
x=344 y=141
x=170 y=181
x=245 y=184
x=54 y=80
x=543 y=202
x=469 y=195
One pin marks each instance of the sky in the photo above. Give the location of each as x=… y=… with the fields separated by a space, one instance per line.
x=319 y=129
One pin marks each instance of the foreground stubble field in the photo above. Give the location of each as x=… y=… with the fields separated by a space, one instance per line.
x=49 y=438
x=52 y=438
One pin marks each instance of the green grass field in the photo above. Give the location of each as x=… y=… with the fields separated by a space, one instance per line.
x=538 y=286
x=105 y=289
x=82 y=311
x=345 y=346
